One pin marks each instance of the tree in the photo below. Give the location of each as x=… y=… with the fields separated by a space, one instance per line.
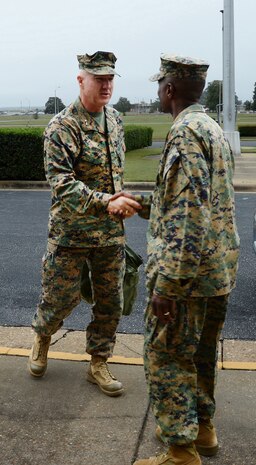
x=237 y=101
x=254 y=98
x=247 y=105
x=203 y=98
x=35 y=115
x=54 y=105
x=155 y=106
x=122 y=105
x=213 y=95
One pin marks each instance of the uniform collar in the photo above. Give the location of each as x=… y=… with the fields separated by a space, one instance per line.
x=89 y=122
x=196 y=108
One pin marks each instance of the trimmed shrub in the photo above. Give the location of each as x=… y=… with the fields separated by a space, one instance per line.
x=137 y=137
x=21 y=154
x=247 y=130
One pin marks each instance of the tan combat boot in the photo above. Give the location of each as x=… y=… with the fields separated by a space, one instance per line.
x=98 y=373
x=206 y=442
x=37 y=362
x=176 y=455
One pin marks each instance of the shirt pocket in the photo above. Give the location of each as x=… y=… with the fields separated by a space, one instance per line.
x=93 y=150
x=93 y=163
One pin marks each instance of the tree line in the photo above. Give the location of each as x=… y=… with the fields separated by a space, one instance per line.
x=211 y=99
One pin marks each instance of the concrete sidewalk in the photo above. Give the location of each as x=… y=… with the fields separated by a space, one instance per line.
x=62 y=419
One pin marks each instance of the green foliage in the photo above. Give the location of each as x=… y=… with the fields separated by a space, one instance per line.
x=54 y=105
x=202 y=100
x=122 y=105
x=21 y=151
x=247 y=105
x=155 y=106
x=21 y=154
x=35 y=115
x=237 y=101
x=247 y=130
x=137 y=137
x=213 y=95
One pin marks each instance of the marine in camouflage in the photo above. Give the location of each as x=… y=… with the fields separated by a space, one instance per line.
x=84 y=164
x=193 y=249
x=62 y=267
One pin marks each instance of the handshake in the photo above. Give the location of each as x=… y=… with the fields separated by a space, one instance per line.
x=125 y=204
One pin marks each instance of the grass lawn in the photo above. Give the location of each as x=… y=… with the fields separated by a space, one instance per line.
x=23 y=121
x=160 y=123
x=248 y=149
x=141 y=165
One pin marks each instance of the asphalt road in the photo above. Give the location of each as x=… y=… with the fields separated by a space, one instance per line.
x=23 y=234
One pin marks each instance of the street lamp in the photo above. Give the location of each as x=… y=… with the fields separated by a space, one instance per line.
x=28 y=110
x=55 y=100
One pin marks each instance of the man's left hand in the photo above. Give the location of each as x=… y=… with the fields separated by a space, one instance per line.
x=164 y=309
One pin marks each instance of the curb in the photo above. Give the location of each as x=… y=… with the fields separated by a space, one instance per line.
x=117 y=359
x=135 y=186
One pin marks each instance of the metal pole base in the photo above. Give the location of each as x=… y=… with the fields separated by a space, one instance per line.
x=234 y=139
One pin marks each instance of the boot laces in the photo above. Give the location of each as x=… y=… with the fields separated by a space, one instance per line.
x=42 y=350
x=105 y=370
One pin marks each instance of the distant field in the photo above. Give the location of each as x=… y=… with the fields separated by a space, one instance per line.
x=159 y=123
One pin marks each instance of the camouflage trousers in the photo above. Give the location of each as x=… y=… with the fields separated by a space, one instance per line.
x=61 y=282
x=180 y=362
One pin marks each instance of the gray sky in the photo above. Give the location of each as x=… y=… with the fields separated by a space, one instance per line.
x=39 y=42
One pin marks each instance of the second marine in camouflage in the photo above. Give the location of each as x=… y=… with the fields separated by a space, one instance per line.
x=192 y=263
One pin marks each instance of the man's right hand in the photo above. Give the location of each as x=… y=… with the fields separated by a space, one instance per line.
x=123 y=204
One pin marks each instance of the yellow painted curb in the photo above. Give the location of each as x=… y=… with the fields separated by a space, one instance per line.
x=251 y=366
x=71 y=357
x=18 y=352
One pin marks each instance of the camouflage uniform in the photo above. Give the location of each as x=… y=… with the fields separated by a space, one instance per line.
x=84 y=168
x=192 y=258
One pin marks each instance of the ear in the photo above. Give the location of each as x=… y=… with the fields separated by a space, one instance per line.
x=79 y=80
x=170 y=90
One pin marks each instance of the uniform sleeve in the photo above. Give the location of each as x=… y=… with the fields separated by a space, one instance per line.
x=61 y=147
x=145 y=201
x=185 y=218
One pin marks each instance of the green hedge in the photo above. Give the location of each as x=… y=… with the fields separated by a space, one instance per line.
x=247 y=130
x=21 y=151
x=137 y=137
x=21 y=154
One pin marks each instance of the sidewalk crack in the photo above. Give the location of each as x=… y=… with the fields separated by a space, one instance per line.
x=132 y=350
x=140 y=435
x=62 y=337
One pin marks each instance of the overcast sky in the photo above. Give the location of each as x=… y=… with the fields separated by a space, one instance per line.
x=39 y=42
